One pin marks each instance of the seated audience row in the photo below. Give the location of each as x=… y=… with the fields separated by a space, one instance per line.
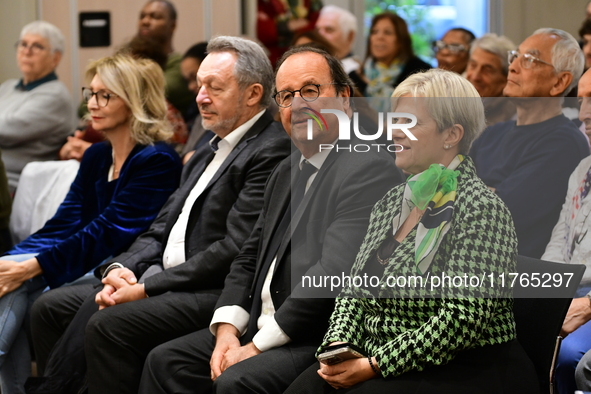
x=230 y=246
x=184 y=257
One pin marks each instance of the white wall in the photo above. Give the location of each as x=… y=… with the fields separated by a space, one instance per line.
x=13 y=16
x=197 y=21
x=522 y=17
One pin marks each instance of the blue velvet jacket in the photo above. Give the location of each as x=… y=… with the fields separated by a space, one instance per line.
x=99 y=219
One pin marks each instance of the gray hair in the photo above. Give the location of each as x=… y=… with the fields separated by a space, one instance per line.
x=347 y=20
x=566 y=55
x=49 y=32
x=497 y=45
x=450 y=99
x=252 y=64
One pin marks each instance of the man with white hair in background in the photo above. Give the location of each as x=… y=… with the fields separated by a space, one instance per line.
x=528 y=162
x=36 y=111
x=339 y=27
x=487 y=71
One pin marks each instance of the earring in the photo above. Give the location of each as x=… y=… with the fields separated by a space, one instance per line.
x=447 y=146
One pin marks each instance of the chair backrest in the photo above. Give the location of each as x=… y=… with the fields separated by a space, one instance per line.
x=42 y=187
x=540 y=308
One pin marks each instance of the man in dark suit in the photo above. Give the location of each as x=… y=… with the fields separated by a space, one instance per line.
x=187 y=252
x=266 y=327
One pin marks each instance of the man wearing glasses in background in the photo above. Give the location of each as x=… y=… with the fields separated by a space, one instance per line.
x=36 y=112
x=528 y=162
x=453 y=50
x=487 y=71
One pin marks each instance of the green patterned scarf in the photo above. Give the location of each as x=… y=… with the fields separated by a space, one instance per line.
x=435 y=190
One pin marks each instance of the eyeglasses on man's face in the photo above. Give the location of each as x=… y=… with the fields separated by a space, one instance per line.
x=527 y=59
x=102 y=97
x=23 y=46
x=454 y=49
x=308 y=92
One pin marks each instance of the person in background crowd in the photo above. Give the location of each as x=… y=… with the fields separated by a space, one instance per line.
x=36 y=112
x=190 y=64
x=157 y=20
x=518 y=159
x=585 y=34
x=120 y=187
x=5 y=209
x=279 y=20
x=453 y=50
x=487 y=71
x=569 y=244
x=315 y=39
x=389 y=59
x=339 y=27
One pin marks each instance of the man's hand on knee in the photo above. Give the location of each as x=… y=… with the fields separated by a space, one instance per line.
x=227 y=337
x=235 y=355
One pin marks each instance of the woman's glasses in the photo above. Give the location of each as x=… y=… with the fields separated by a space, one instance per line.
x=102 y=97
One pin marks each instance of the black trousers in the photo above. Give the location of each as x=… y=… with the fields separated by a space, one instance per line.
x=496 y=369
x=116 y=340
x=51 y=316
x=182 y=366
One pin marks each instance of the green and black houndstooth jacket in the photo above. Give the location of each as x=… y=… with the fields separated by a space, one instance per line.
x=408 y=329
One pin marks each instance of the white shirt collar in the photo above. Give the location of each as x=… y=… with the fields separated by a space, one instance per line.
x=232 y=139
x=318 y=159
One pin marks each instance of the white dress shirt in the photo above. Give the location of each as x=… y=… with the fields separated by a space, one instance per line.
x=174 y=252
x=270 y=335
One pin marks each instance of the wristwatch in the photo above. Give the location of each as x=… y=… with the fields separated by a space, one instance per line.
x=110 y=268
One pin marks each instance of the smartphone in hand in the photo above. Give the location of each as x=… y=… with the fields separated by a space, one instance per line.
x=335 y=354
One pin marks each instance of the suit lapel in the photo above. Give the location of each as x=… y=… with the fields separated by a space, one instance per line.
x=201 y=163
x=312 y=190
x=282 y=198
x=307 y=200
x=198 y=163
x=253 y=132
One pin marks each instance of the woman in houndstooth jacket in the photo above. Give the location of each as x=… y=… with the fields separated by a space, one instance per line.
x=424 y=319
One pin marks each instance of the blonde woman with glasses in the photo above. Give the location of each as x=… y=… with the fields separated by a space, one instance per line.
x=121 y=185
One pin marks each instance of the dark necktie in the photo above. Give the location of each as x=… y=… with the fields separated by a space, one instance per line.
x=297 y=195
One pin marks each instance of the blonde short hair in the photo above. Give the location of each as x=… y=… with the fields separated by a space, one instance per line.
x=140 y=84
x=457 y=102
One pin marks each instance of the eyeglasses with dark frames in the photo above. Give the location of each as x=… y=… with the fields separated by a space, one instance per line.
x=23 y=46
x=309 y=92
x=454 y=49
x=102 y=97
x=527 y=59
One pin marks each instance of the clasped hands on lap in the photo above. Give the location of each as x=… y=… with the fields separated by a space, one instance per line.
x=120 y=286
